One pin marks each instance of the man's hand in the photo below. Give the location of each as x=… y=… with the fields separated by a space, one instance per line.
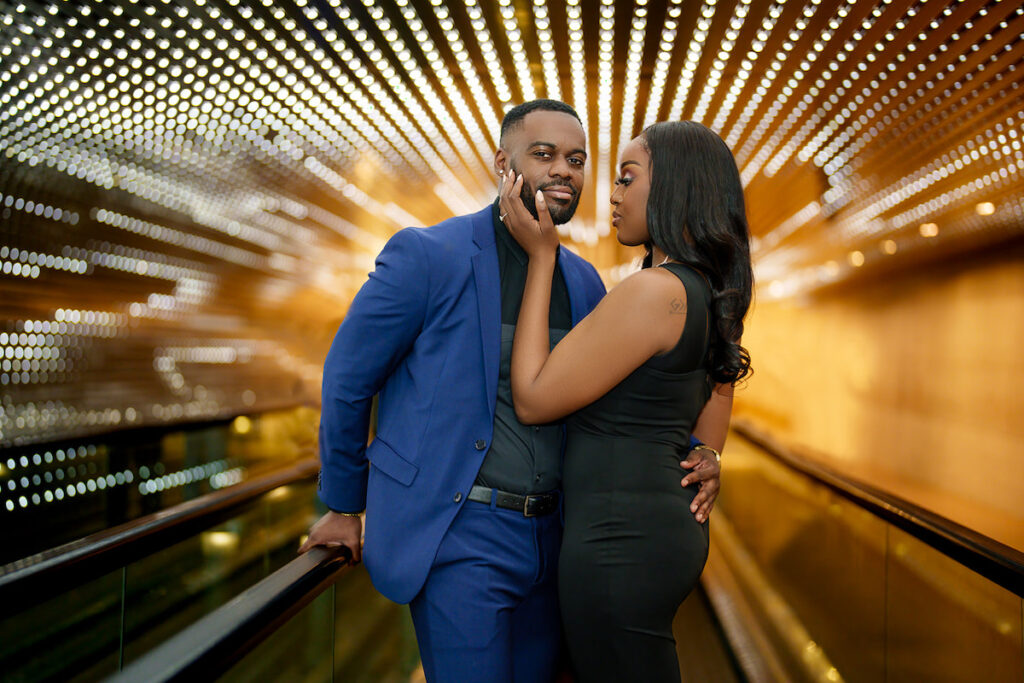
x=706 y=470
x=333 y=530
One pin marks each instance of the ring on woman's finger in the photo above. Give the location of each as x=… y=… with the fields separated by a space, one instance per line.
x=502 y=217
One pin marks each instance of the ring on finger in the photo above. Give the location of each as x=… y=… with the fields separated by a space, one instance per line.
x=502 y=217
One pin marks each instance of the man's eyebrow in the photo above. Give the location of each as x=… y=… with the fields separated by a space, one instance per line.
x=542 y=143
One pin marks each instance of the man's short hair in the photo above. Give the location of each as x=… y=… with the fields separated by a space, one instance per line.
x=516 y=114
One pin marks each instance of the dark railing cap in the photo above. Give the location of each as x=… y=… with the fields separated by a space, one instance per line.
x=996 y=561
x=210 y=646
x=74 y=563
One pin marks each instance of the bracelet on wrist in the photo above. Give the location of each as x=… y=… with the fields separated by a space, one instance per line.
x=702 y=446
x=347 y=514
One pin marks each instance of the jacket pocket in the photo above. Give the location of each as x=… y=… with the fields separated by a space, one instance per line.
x=383 y=457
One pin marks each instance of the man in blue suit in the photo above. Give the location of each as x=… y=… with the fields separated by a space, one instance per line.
x=461 y=499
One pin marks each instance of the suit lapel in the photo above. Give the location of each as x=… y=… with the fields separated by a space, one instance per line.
x=488 y=297
x=573 y=283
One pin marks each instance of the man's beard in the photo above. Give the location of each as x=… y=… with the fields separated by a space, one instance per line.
x=559 y=214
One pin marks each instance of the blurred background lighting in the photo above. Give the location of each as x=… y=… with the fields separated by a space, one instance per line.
x=191 y=193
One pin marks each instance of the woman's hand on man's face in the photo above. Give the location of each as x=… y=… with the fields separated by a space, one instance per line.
x=537 y=237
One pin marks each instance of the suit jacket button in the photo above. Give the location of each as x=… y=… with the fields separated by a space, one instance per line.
x=458 y=497
x=480 y=444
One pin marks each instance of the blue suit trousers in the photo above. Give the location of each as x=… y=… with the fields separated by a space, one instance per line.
x=488 y=611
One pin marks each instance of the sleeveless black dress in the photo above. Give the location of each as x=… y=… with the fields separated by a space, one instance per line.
x=632 y=550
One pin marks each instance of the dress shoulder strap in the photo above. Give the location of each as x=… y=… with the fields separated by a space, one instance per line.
x=692 y=279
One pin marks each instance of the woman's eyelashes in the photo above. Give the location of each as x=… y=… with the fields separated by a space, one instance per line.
x=625 y=181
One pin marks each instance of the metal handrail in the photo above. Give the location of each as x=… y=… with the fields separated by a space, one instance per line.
x=210 y=646
x=986 y=556
x=74 y=563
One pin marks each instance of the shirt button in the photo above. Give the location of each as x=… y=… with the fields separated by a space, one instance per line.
x=480 y=444
x=458 y=497
x=536 y=429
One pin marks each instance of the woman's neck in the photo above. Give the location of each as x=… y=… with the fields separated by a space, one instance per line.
x=657 y=256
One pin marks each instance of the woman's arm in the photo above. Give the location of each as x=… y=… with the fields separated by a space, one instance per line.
x=713 y=422
x=641 y=317
x=711 y=428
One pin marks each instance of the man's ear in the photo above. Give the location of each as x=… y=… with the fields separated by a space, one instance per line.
x=500 y=161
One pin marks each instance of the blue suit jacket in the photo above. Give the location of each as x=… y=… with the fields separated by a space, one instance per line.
x=424 y=333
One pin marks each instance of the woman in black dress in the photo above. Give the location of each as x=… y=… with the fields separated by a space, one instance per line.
x=633 y=377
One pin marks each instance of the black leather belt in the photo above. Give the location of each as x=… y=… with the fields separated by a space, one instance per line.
x=533 y=505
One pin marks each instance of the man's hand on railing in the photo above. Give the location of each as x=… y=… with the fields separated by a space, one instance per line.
x=335 y=529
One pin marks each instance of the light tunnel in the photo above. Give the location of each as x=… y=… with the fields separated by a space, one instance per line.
x=191 y=193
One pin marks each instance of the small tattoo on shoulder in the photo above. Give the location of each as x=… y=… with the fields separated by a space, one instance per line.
x=677 y=307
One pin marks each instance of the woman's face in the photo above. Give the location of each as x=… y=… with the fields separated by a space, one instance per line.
x=630 y=196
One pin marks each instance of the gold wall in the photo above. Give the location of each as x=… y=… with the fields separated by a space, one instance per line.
x=911 y=382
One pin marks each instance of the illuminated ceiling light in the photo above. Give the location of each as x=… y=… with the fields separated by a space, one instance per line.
x=781 y=132
x=542 y=22
x=693 y=53
x=403 y=55
x=719 y=63
x=985 y=144
x=517 y=49
x=739 y=81
x=605 y=78
x=216 y=131
x=856 y=258
x=183 y=115
x=823 y=157
x=659 y=75
x=483 y=39
x=889 y=247
x=634 y=58
x=933 y=77
x=483 y=138
x=764 y=122
x=419 y=154
x=180 y=238
x=577 y=62
x=421 y=150
x=928 y=229
x=985 y=208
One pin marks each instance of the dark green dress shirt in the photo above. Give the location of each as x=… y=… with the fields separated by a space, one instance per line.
x=522 y=459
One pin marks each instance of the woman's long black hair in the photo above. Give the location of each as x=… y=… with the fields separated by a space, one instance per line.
x=696 y=215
